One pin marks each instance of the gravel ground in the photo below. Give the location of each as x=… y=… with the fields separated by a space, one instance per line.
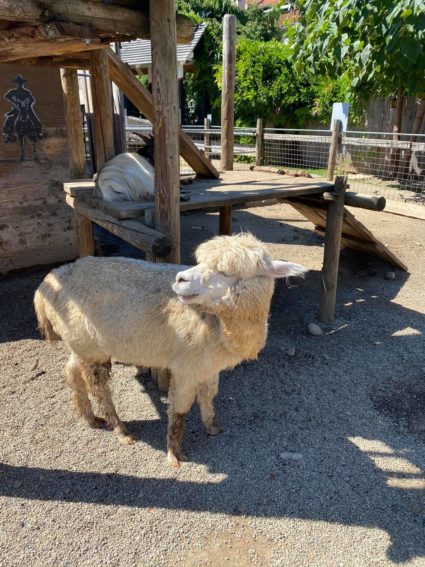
x=321 y=462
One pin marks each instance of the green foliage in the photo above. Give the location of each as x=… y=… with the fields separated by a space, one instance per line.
x=327 y=91
x=202 y=84
x=378 y=46
x=267 y=86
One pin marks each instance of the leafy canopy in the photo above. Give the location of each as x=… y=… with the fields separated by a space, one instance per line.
x=267 y=86
x=203 y=84
x=380 y=46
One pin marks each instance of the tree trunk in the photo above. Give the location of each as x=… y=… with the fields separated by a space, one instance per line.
x=417 y=125
x=396 y=165
x=398 y=115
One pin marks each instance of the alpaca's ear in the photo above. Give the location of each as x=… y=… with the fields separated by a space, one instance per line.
x=279 y=269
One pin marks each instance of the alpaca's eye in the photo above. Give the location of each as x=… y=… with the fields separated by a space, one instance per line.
x=225 y=274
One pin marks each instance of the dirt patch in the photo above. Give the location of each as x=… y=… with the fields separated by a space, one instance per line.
x=347 y=404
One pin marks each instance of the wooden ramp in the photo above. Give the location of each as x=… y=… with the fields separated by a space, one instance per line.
x=141 y=97
x=354 y=234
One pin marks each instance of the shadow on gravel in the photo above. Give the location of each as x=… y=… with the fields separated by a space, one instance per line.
x=332 y=434
x=310 y=437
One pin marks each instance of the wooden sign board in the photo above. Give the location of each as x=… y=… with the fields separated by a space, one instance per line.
x=36 y=226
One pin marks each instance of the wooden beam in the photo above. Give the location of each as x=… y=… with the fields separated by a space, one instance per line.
x=207 y=138
x=102 y=108
x=46 y=48
x=133 y=232
x=109 y=19
x=165 y=121
x=333 y=150
x=76 y=154
x=259 y=140
x=72 y=61
x=225 y=226
x=123 y=77
x=370 y=202
x=228 y=92
x=332 y=250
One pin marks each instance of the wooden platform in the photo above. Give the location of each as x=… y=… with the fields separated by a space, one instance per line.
x=234 y=189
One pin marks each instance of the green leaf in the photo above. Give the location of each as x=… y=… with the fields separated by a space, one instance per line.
x=410 y=48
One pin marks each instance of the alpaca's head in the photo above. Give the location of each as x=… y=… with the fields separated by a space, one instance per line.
x=226 y=264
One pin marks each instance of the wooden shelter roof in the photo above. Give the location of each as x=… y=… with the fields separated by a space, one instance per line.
x=41 y=28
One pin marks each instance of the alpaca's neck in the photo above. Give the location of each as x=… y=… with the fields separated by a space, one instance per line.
x=244 y=321
x=244 y=338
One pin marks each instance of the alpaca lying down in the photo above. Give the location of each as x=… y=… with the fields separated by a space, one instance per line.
x=195 y=321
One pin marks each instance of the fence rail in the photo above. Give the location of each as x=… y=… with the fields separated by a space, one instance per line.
x=373 y=162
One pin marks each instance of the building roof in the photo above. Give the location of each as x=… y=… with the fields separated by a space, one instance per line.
x=138 y=53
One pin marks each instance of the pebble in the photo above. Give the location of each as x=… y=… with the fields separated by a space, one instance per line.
x=315 y=330
x=291 y=351
x=390 y=276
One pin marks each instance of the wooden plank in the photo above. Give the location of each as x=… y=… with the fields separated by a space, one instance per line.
x=214 y=199
x=332 y=251
x=77 y=154
x=259 y=139
x=47 y=48
x=74 y=124
x=36 y=226
x=354 y=234
x=72 y=61
x=111 y=20
x=140 y=236
x=123 y=77
x=228 y=92
x=165 y=124
x=333 y=150
x=225 y=223
x=207 y=137
x=103 y=125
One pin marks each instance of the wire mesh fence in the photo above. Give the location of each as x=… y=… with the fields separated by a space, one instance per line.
x=373 y=162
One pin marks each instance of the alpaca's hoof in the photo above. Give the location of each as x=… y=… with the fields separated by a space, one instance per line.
x=175 y=460
x=214 y=430
x=127 y=438
x=98 y=423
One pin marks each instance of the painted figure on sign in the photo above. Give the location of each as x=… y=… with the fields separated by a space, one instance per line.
x=21 y=121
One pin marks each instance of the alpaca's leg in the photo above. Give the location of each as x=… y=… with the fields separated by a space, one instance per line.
x=207 y=391
x=181 y=397
x=74 y=375
x=98 y=376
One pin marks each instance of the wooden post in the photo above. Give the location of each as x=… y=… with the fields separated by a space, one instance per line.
x=165 y=129
x=228 y=92
x=76 y=154
x=103 y=116
x=333 y=150
x=334 y=219
x=225 y=220
x=259 y=137
x=207 y=137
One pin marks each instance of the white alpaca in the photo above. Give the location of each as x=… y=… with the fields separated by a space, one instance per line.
x=126 y=177
x=212 y=317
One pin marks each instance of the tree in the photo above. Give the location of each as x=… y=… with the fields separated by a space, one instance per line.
x=267 y=86
x=379 y=46
x=202 y=86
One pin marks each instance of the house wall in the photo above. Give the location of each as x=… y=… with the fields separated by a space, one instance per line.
x=36 y=226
